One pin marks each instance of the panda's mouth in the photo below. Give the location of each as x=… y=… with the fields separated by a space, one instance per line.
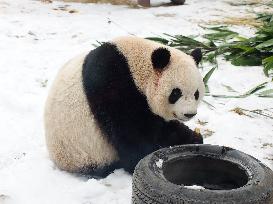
x=178 y=118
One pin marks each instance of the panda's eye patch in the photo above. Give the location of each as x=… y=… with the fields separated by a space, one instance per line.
x=175 y=95
x=196 y=94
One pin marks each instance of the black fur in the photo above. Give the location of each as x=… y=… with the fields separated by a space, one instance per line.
x=160 y=58
x=122 y=111
x=175 y=95
x=196 y=95
x=97 y=173
x=197 y=55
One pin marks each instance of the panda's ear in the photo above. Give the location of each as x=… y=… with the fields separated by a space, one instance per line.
x=197 y=55
x=160 y=58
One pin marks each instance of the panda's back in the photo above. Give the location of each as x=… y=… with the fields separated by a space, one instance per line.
x=73 y=138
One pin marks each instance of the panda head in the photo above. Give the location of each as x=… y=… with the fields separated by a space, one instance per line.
x=175 y=87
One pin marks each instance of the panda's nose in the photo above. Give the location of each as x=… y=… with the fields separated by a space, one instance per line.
x=190 y=115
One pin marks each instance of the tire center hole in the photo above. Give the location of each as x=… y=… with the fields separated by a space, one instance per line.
x=210 y=173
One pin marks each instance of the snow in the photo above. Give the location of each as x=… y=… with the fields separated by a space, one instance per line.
x=195 y=187
x=159 y=163
x=36 y=39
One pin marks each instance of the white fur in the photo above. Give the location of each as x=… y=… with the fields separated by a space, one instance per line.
x=73 y=138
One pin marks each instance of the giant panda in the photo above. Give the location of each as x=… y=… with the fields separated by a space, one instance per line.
x=110 y=107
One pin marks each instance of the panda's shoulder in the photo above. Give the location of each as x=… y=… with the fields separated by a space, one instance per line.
x=108 y=53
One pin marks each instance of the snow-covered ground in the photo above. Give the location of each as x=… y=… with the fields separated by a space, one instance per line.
x=36 y=39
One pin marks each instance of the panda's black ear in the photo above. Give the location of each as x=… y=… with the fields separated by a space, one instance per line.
x=197 y=55
x=160 y=58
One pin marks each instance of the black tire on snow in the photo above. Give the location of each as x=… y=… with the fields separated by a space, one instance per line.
x=178 y=2
x=229 y=177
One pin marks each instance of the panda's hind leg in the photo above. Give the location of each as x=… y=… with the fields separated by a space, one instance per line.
x=99 y=172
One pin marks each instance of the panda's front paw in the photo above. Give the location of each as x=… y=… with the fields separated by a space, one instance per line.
x=197 y=138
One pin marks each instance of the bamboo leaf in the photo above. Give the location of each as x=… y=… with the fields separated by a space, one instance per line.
x=256 y=88
x=211 y=57
x=245 y=48
x=246 y=61
x=208 y=75
x=219 y=36
x=158 y=39
x=215 y=28
x=188 y=41
x=268 y=59
x=267 y=68
x=268 y=65
x=208 y=104
x=246 y=94
x=229 y=88
x=267 y=93
x=265 y=44
x=226 y=96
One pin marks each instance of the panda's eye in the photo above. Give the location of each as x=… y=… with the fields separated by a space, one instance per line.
x=175 y=95
x=196 y=94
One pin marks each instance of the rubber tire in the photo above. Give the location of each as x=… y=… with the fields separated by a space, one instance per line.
x=178 y=2
x=151 y=186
